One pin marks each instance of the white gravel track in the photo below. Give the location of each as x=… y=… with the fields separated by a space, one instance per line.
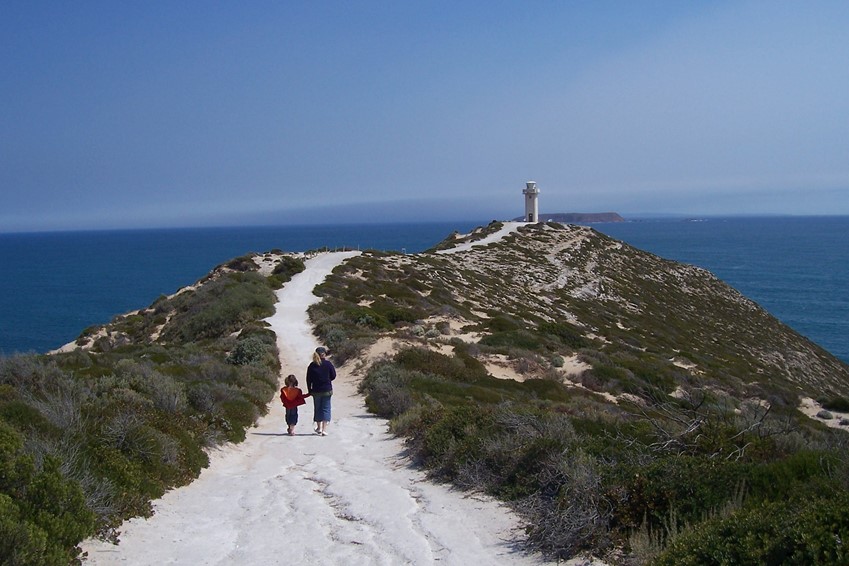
x=348 y=498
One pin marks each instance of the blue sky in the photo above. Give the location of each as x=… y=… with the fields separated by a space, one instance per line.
x=148 y=114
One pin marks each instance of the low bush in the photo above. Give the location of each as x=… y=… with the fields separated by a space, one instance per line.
x=43 y=516
x=691 y=485
x=368 y=318
x=221 y=307
x=348 y=350
x=287 y=267
x=243 y=263
x=566 y=334
x=395 y=314
x=502 y=323
x=457 y=368
x=387 y=390
x=798 y=531
x=250 y=351
x=839 y=404
x=107 y=430
x=513 y=339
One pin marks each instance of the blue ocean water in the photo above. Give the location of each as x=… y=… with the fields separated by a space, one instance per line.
x=54 y=285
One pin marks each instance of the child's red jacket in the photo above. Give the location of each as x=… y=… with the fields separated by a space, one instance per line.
x=292 y=397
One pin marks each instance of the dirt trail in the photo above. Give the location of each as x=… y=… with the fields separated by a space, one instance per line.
x=348 y=498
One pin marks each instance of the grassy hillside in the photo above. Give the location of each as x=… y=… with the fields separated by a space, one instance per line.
x=653 y=411
x=90 y=436
x=625 y=405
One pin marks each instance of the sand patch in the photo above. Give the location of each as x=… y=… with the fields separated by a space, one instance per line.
x=682 y=363
x=572 y=366
x=506 y=229
x=384 y=347
x=815 y=410
x=500 y=366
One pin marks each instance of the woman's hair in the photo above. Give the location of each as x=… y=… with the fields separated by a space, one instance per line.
x=316 y=358
x=291 y=380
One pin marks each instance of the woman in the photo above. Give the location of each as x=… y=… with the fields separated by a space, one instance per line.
x=320 y=376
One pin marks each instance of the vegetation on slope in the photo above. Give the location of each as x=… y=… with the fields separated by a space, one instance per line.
x=675 y=441
x=682 y=439
x=89 y=437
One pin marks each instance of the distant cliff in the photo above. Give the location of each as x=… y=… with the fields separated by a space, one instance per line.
x=578 y=217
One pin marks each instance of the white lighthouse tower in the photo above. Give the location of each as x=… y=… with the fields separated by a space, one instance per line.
x=531 y=193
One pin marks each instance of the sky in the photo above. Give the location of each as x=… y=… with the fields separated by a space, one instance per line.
x=163 y=114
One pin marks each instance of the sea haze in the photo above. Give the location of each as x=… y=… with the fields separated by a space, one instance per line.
x=55 y=285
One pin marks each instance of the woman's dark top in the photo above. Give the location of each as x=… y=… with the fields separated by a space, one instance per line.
x=320 y=376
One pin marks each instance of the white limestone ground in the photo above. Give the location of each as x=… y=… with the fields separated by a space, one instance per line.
x=348 y=498
x=815 y=410
x=507 y=228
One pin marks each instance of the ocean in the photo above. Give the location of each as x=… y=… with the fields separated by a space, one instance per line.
x=54 y=285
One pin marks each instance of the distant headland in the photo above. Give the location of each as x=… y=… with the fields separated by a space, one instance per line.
x=578 y=217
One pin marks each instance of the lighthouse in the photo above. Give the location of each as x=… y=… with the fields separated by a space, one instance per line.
x=531 y=193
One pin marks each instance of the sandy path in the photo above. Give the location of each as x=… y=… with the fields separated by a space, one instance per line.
x=507 y=228
x=348 y=498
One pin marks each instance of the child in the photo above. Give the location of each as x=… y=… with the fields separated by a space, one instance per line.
x=292 y=397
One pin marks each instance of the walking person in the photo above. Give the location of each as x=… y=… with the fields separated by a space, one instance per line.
x=292 y=398
x=320 y=376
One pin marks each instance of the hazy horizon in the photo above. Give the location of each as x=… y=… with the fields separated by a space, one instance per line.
x=636 y=217
x=179 y=115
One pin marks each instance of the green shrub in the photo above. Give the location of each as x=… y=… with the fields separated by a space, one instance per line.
x=455 y=426
x=22 y=542
x=249 y=351
x=387 y=392
x=243 y=263
x=43 y=516
x=240 y=414
x=513 y=339
x=502 y=323
x=459 y=368
x=693 y=486
x=287 y=267
x=397 y=314
x=799 y=473
x=220 y=307
x=23 y=416
x=839 y=404
x=368 y=318
x=566 y=333
x=799 y=531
